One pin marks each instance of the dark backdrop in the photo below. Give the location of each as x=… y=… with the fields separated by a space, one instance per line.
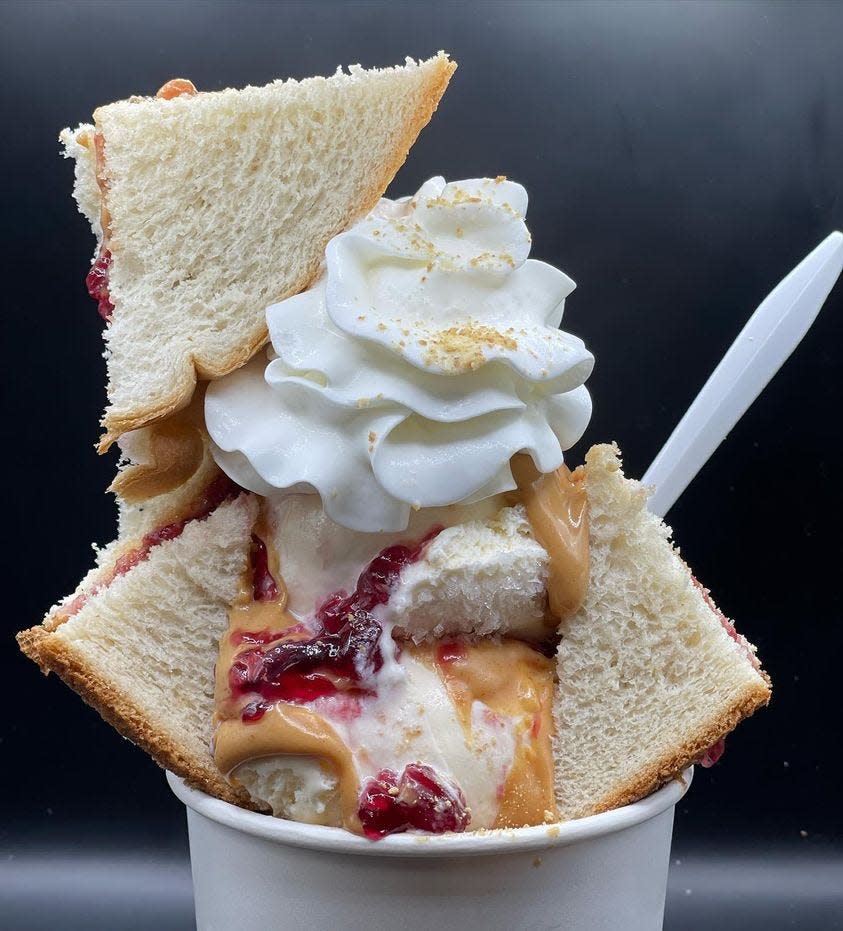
x=680 y=159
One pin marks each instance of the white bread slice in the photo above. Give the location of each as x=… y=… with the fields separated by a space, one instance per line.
x=141 y=650
x=219 y=204
x=650 y=676
x=164 y=477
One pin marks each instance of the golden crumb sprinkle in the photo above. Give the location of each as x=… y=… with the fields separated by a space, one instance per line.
x=500 y=179
x=485 y=258
x=458 y=196
x=372 y=436
x=461 y=348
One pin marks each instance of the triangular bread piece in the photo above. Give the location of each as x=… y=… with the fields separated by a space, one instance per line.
x=140 y=646
x=651 y=674
x=211 y=206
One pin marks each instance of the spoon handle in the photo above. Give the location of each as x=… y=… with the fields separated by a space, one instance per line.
x=769 y=337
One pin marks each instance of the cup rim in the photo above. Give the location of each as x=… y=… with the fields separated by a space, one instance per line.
x=477 y=843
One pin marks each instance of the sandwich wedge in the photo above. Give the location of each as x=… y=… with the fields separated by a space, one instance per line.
x=651 y=673
x=137 y=639
x=207 y=207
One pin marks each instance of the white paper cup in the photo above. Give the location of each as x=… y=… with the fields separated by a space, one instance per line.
x=252 y=872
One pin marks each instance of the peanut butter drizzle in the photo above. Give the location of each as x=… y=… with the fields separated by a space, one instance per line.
x=514 y=680
x=557 y=509
x=176 y=450
x=285 y=729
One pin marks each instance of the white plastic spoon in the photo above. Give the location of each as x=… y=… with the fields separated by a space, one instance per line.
x=769 y=337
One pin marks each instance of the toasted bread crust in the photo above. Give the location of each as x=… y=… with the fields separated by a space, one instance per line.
x=116 y=423
x=674 y=764
x=115 y=708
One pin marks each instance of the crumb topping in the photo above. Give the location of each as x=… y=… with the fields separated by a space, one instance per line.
x=461 y=348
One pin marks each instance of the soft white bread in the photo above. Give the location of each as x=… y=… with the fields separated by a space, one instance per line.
x=164 y=475
x=141 y=649
x=481 y=578
x=650 y=674
x=215 y=205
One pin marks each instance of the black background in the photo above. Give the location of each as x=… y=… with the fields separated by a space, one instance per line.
x=681 y=158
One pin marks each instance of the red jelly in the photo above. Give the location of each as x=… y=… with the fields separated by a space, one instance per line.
x=420 y=798
x=450 y=652
x=374 y=584
x=713 y=754
x=289 y=671
x=96 y=282
x=340 y=657
x=219 y=490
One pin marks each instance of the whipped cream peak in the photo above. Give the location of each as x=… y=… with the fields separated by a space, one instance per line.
x=424 y=358
x=442 y=279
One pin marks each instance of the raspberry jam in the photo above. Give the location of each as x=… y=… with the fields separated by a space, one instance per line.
x=713 y=754
x=419 y=799
x=344 y=653
x=375 y=583
x=96 y=282
x=303 y=670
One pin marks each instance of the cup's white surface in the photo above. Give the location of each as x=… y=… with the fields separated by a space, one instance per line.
x=256 y=873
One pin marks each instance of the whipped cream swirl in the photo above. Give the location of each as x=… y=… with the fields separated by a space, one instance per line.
x=425 y=357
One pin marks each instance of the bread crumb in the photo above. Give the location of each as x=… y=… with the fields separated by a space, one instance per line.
x=460 y=348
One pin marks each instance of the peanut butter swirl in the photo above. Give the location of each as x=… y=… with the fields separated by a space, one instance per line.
x=557 y=508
